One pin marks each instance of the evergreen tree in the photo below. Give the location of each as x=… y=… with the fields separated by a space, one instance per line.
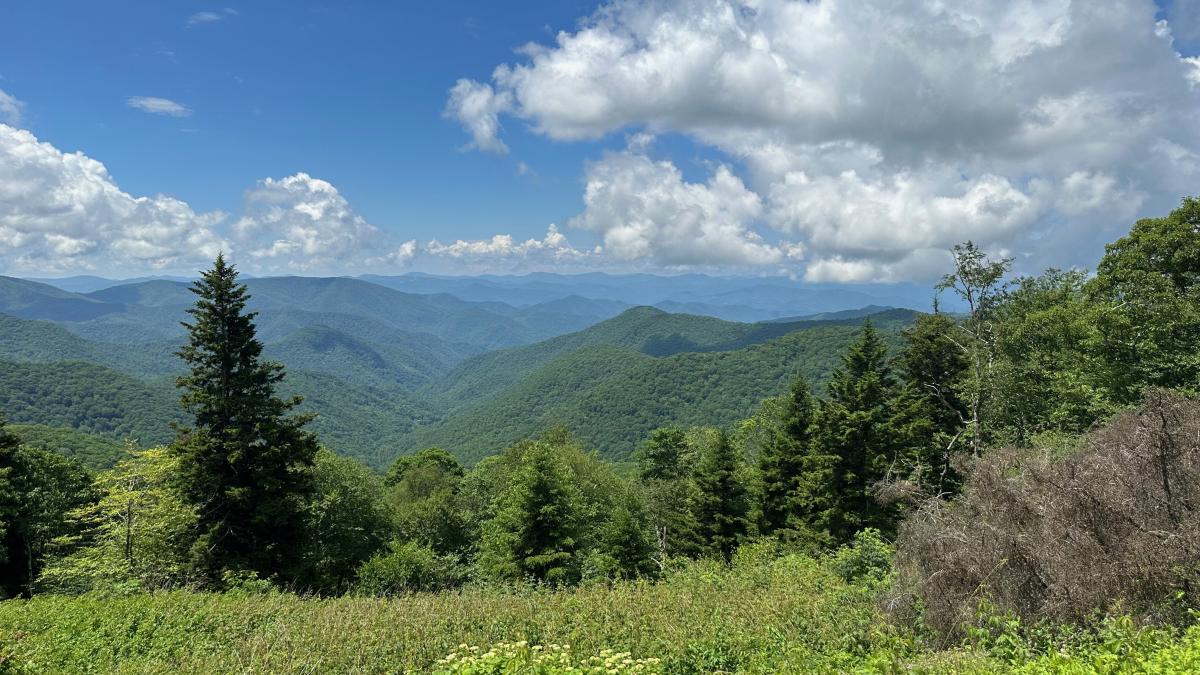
x=720 y=505
x=535 y=532
x=930 y=417
x=855 y=429
x=246 y=464
x=787 y=462
x=625 y=549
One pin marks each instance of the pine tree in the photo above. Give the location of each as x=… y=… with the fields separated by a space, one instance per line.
x=855 y=429
x=535 y=532
x=930 y=417
x=625 y=549
x=246 y=464
x=720 y=503
x=794 y=473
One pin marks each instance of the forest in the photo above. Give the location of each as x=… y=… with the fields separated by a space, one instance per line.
x=1007 y=488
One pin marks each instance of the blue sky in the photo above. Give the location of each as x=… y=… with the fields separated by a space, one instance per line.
x=351 y=92
x=342 y=137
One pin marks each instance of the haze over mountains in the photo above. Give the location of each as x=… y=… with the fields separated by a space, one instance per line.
x=394 y=364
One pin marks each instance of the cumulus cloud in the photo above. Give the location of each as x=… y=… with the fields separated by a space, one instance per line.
x=158 y=106
x=554 y=247
x=10 y=108
x=879 y=131
x=302 y=223
x=478 y=107
x=63 y=212
x=644 y=209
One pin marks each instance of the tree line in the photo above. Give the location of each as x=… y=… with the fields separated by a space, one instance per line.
x=245 y=495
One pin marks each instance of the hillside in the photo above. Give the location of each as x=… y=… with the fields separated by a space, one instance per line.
x=90 y=398
x=93 y=451
x=644 y=330
x=356 y=421
x=611 y=396
x=33 y=300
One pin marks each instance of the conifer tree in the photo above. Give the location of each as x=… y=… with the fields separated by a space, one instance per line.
x=930 y=416
x=720 y=503
x=246 y=463
x=793 y=470
x=855 y=429
x=535 y=532
x=625 y=548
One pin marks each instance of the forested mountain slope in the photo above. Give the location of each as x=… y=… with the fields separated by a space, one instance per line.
x=611 y=395
x=391 y=372
x=644 y=330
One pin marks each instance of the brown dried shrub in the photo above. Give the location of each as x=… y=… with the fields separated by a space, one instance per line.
x=1059 y=538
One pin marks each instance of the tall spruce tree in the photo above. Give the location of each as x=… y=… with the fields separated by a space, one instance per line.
x=856 y=430
x=930 y=416
x=720 y=503
x=786 y=462
x=535 y=532
x=246 y=463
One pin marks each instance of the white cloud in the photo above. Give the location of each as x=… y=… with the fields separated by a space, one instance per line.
x=62 y=212
x=477 y=107
x=301 y=223
x=554 y=247
x=10 y=108
x=880 y=131
x=158 y=106
x=644 y=209
x=200 y=18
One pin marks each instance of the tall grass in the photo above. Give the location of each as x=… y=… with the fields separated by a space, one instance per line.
x=762 y=615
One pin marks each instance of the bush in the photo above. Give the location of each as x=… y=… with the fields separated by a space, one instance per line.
x=405 y=568
x=1058 y=539
x=868 y=558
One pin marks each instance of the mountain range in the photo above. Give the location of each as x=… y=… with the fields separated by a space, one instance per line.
x=394 y=364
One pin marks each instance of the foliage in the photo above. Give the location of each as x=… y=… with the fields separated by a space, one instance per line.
x=792 y=467
x=1149 y=286
x=245 y=463
x=867 y=558
x=94 y=452
x=930 y=416
x=763 y=615
x=979 y=282
x=407 y=568
x=38 y=490
x=720 y=504
x=856 y=433
x=624 y=548
x=535 y=532
x=347 y=522
x=612 y=396
x=513 y=658
x=135 y=536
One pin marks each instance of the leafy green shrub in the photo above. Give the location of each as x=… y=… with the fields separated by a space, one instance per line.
x=405 y=568
x=868 y=558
